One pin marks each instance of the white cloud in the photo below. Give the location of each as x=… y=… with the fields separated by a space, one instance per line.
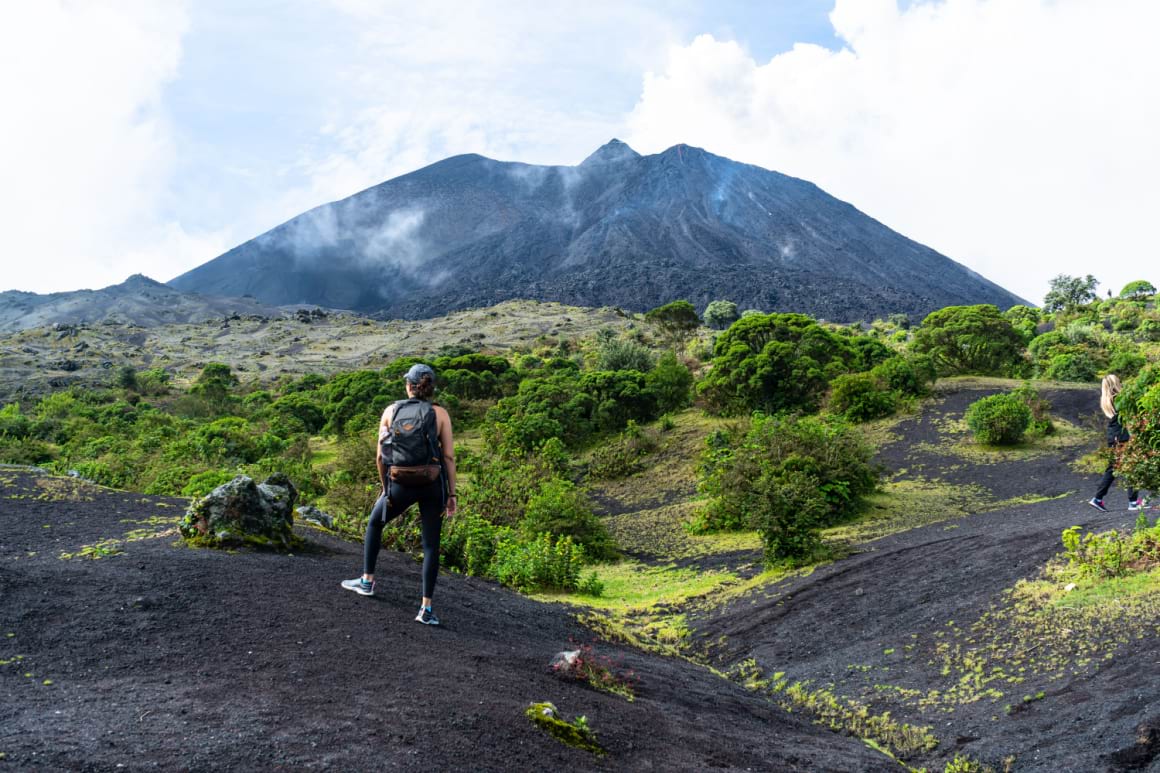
x=1017 y=137
x=85 y=151
x=528 y=81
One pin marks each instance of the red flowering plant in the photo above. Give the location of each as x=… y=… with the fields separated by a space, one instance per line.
x=599 y=671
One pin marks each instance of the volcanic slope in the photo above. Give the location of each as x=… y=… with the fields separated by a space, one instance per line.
x=121 y=649
x=937 y=634
x=619 y=229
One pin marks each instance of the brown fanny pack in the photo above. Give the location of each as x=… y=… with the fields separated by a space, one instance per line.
x=416 y=476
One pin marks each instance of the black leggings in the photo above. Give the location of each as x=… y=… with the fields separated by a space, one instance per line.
x=431 y=505
x=1109 y=476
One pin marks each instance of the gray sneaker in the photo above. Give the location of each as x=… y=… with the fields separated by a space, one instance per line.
x=426 y=616
x=360 y=586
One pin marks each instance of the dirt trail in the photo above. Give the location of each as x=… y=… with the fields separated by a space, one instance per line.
x=164 y=657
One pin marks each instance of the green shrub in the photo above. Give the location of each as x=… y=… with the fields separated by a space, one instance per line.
x=204 y=482
x=999 y=419
x=907 y=375
x=562 y=510
x=861 y=397
x=792 y=508
x=786 y=477
x=13 y=423
x=621 y=354
x=671 y=382
x=25 y=451
x=624 y=456
x=1077 y=366
x=1126 y=364
x=541 y=563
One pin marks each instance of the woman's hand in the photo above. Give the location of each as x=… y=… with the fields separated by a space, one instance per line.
x=452 y=504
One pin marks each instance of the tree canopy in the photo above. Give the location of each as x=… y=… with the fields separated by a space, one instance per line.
x=970 y=339
x=1137 y=290
x=773 y=362
x=1067 y=292
x=721 y=314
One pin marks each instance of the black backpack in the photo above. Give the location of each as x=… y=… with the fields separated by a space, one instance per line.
x=410 y=449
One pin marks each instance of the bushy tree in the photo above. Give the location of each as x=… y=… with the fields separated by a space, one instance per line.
x=721 y=314
x=785 y=477
x=861 y=397
x=1065 y=292
x=671 y=382
x=1137 y=290
x=677 y=319
x=215 y=384
x=970 y=339
x=773 y=362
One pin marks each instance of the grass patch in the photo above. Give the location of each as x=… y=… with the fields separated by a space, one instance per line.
x=902 y=505
x=633 y=586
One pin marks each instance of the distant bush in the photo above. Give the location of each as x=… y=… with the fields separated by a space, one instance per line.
x=1077 y=366
x=671 y=383
x=204 y=482
x=1126 y=364
x=623 y=456
x=999 y=419
x=721 y=314
x=622 y=354
x=562 y=510
x=785 y=477
x=910 y=376
x=861 y=397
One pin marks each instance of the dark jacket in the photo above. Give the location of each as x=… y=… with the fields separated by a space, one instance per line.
x=1116 y=431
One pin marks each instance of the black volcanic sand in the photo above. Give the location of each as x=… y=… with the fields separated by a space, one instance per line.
x=847 y=626
x=165 y=657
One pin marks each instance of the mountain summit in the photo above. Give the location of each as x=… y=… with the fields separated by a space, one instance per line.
x=619 y=229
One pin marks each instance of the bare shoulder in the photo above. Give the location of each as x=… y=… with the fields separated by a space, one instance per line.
x=441 y=414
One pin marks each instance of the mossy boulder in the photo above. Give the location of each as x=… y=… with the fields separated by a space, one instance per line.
x=242 y=512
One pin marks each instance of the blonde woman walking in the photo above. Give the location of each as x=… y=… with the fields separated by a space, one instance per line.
x=1116 y=435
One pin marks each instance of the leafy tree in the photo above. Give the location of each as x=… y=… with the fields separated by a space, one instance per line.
x=671 y=382
x=677 y=319
x=1067 y=292
x=1025 y=320
x=1137 y=290
x=721 y=314
x=774 y=362
x=970 y=339
x=215 y=384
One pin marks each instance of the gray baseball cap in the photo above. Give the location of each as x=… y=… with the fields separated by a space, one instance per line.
x=418 y=371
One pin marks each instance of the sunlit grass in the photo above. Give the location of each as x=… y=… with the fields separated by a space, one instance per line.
x=631 y=585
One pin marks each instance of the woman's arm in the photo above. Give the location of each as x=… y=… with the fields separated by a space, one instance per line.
x=447 y=446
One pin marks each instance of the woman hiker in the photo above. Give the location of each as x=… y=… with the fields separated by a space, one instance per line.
x=416 y=462
x=1116 y=435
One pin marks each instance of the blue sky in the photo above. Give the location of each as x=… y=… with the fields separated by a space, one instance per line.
x=151 y=136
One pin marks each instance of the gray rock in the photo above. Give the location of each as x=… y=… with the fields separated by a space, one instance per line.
x=244 y=512
x=314 y=515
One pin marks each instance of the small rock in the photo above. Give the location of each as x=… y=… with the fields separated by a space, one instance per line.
x=1069 y=587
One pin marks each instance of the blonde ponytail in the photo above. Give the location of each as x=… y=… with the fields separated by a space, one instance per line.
x=1108 y=390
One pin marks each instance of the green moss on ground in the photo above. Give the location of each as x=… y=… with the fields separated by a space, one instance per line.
x=576 y=733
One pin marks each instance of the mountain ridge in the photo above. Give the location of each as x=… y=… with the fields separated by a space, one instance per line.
x=618 y=229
